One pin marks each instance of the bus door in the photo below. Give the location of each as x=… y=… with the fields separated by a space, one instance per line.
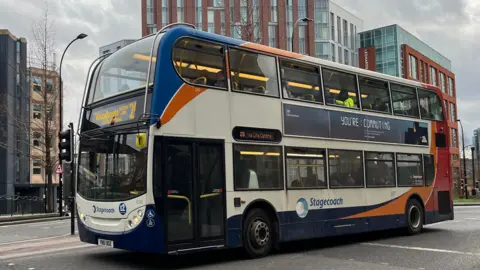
x=194 y=186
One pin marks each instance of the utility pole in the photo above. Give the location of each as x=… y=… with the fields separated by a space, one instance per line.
x=473 y=169
x=464 y=160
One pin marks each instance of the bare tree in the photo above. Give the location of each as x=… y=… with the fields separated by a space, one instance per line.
x=249 y=26
x=43 y=127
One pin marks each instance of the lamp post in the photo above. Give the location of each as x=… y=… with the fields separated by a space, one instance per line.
x=473 y=168
x=464 y=160
x=295 y=26
x=60 y=184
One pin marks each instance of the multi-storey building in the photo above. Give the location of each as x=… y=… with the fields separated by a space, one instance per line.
x=327 y=31
x=44 y=101
x=394 y=51
x=14 y=111
x=115 y=46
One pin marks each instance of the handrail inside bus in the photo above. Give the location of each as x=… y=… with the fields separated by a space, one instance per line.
x=151 y=56
x=189 y=205
x=85 y=90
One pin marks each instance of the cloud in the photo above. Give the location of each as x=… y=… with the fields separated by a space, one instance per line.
x=450 y=27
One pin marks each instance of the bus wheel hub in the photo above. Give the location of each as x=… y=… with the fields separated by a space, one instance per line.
x=261 y=233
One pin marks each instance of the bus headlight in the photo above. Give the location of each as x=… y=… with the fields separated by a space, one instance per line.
x=135 y=217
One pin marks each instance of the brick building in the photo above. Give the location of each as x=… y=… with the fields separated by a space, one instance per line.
x=329 y=33
x=394 y=51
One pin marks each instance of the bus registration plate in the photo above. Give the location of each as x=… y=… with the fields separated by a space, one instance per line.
x=107 y=243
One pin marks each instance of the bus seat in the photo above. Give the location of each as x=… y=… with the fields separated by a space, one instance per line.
x=253 y=180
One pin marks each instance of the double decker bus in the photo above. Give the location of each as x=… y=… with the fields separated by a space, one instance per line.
x=192 y=141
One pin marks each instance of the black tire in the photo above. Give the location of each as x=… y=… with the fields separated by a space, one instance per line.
x=257 y=233
x=414 y=217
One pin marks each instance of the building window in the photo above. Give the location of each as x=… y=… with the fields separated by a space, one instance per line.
x=453 y=135
x=453 y=114
x=409 y=170
x=257 y=27
x=380 y=169
x=345 y=168
x=150 y=12
x=165 y=16
x=211 y=21
x=199 y=15
x=430 y=105
x=200 y=62
x=353 y=60
x=301 y=39
x=152 y=29
x=433 y=76
x=257 y=167
x=340 y=88
x=442 y=83
x=36 y=163
x=404 y=100
x=333 y=52
x=340 y=55
x=413 y=67
x=180 y=13
x=301 y=81
x=446 y=108
x=274 y=11
x=339 y=30
x=37 y=84
x=345 y=56
x=332 y=26
x=253 y=73
x=302 y=9
x=375 y=95
x=37 y=115
x=37 y=170
x=49 y=85
x=321 y=19
x=321 y=50
x=450 y=87
x=272 y=36
x=222 y=22
x=289 y=21
x=306 y=168
x=345 y=33
x=352 y=38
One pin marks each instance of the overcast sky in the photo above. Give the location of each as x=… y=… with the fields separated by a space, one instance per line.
x=452 y=27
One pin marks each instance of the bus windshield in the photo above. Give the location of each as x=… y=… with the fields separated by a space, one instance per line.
x=112 y=168
x=124 y=70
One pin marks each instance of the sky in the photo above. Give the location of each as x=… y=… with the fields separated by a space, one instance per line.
x=451 y=27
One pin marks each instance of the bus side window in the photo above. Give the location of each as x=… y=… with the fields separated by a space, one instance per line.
x=200 y=62
x=340 y=88
x=374 y=94
x=404 y=100
x=301 y=81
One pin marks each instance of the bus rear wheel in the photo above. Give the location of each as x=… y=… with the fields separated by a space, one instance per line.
x=414 y=215
x=257 y=233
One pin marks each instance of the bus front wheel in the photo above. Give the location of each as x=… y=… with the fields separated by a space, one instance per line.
x=414 y=215
x=257 y=233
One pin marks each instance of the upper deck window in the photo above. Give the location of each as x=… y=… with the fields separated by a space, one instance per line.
x=200 y=62
x=253 y=73
x=430 y=105
x=404 y=100
x=374 y=94
x=124 y=70
x=301 y=81
x=340 y=88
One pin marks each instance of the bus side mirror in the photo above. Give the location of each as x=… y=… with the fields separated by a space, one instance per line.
x=141 y=140
x=440 y=140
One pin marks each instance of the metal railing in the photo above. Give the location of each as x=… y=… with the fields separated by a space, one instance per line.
x=21 y=205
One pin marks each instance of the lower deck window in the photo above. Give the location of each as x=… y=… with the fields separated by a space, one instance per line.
x=305 y=168
x=409 y=170
x=380 y=169
x=257 y=167
x=345 y=168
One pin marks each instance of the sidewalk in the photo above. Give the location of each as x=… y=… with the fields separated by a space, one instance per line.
x=30 y=218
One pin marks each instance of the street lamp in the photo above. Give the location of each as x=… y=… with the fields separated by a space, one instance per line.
x=464 y=160
x=295 y=26
x=80 y=36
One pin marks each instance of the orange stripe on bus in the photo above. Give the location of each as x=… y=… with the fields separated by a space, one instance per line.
x=397 y=206
x=267 y=49
x=185 y=94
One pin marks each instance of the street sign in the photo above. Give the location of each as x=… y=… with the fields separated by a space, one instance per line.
x=59 y=169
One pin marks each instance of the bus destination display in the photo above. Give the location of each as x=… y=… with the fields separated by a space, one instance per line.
x=118 y=112
x=315 y=122
x=256 y=134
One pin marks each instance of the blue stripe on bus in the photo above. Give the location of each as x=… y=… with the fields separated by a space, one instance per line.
x=167 y=81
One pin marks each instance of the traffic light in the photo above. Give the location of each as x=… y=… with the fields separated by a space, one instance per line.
x=65 y=146
x=476 y=184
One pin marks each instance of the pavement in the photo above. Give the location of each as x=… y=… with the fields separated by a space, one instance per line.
x=447 y=245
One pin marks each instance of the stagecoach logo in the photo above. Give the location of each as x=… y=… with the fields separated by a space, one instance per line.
x=122 y=208
x=102 y=210
x=302 y=208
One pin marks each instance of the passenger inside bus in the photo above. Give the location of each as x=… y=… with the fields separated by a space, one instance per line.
x=344 y=99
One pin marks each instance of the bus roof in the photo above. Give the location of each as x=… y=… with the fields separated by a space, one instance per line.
x=188 y=31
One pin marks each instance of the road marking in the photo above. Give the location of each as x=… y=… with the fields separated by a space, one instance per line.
x=423 y=249
x=471 y=218
x=33 y=239
x=41 y=252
